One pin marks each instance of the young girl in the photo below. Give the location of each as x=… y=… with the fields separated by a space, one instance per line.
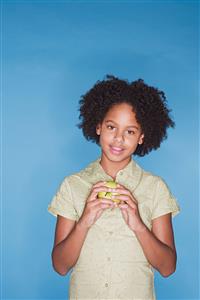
x=112 y=249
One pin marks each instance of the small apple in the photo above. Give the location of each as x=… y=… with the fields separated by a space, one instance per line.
x=108 y=195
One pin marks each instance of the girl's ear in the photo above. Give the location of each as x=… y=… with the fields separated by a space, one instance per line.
x=141 y=140
x=98 y=129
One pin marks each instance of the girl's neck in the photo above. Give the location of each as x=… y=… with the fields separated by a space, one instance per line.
x=112 y=167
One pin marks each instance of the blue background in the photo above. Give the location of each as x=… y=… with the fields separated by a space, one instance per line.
x=52 y=53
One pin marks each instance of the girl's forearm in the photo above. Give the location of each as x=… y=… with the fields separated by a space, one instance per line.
x=159 y=255
x=66 y=253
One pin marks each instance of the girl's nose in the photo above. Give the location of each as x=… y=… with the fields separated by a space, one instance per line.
x=119 y=137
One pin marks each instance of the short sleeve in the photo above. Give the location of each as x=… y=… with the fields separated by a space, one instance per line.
x=62 y=202
x=164 y=201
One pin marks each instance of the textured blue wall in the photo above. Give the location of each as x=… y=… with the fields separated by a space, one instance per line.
x=53 y=52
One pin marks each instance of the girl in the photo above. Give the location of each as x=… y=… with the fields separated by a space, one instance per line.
x=112 y=249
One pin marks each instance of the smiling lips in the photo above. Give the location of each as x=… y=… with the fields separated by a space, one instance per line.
x=116 y=150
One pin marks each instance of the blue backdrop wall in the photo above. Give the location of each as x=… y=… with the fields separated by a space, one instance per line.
x=52 y=53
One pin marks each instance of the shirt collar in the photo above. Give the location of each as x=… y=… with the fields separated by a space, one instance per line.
x=130 y=176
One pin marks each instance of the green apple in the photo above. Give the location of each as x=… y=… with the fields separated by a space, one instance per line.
x=108 y=195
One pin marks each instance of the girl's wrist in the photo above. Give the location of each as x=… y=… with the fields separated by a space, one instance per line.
x=140 y=229
x=80 y=225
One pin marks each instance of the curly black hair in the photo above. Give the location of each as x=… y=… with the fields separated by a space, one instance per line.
x=149 y=105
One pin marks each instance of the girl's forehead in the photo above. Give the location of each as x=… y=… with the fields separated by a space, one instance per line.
x=121 y=108
x=122 y=113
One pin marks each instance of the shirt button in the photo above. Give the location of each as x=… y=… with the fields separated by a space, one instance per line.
x=109 y=259
x=110 y=232
x=106 y=285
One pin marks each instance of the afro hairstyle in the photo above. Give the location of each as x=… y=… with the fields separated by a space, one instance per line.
x=148 y=103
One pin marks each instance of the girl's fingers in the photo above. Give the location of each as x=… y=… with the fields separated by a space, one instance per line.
x=124 y=194
x=126 y=199
x=123 y=191
x=124 y=210
x=100 y=183
x=125 y=214
x=101 y=206
x=123 y=206
x=103 y=201
x=102 y=189
x=95 y=191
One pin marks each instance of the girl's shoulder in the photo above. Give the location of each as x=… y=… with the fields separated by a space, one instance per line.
x=153 y=191
x=150 y=180
x=85 y=176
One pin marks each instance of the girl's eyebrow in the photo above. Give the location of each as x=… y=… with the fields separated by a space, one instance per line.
x=132 y=126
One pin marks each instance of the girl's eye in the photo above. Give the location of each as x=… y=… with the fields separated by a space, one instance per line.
x=130 y=132
x=110 y=127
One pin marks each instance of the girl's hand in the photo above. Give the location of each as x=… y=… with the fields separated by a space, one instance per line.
x=94 y=207
x=129 y=209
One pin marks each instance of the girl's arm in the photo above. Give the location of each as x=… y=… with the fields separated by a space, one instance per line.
x=158 y=244
x=69 y=239
x=70 y=235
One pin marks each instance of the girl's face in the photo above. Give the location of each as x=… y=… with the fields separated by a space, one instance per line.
x=119 y=133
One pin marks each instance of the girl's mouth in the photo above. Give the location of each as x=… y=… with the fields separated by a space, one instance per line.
x=116 y=150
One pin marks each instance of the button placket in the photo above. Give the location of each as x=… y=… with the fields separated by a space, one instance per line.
x=108 y=260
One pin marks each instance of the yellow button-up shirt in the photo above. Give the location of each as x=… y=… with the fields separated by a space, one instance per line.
x=112 y=264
